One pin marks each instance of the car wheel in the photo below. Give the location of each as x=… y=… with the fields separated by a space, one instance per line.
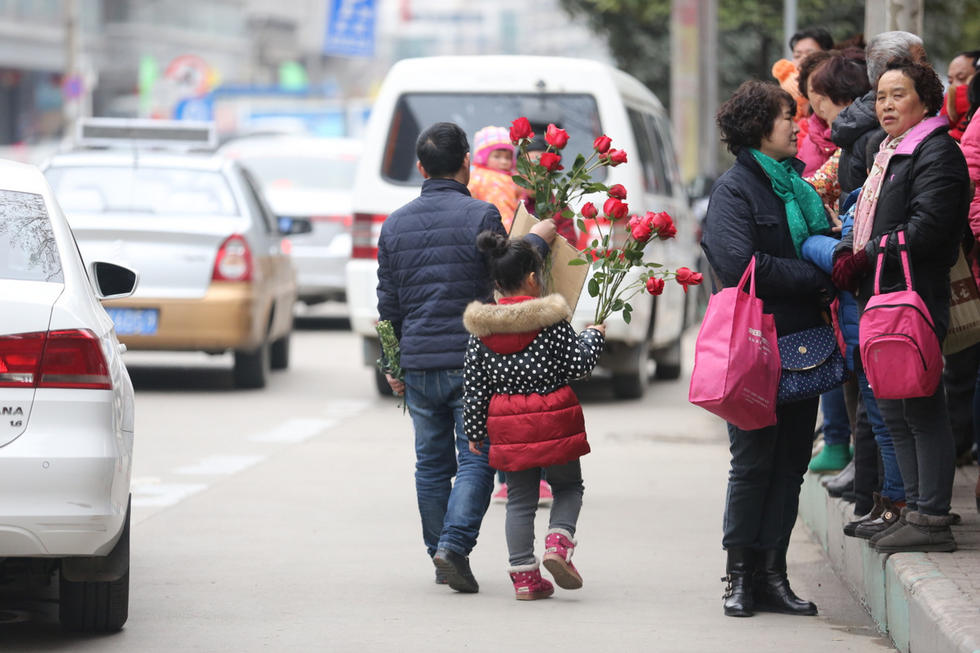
x=381 y=381
x=96 y=606
x=279 y=353
x=669 y=362
x=252 y=367
x=633 y=383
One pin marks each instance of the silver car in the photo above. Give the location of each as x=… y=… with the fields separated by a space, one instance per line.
x=215 y=272
x=308 y=180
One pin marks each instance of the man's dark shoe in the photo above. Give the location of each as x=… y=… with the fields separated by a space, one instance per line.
x=875 y=513
x=441 y=578
x=772 y=590
x=923 y=533
x=456 y=567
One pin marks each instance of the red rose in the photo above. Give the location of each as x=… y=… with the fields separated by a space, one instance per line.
x=655 y=286
x=616 y=157
x=601 y=144
x=520 y=128
x=551 y=161
x=555 y=137
x=664 y=225
x=589 y=211
x=686 y=277
x=615 y=209
x=617 y=191
x=639 y=228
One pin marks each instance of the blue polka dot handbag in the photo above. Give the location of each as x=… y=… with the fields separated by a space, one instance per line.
x=811 y=363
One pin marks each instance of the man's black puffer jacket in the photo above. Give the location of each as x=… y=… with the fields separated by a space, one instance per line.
x=745 y=218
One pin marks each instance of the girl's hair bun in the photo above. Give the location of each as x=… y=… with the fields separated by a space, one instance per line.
x=492 y=243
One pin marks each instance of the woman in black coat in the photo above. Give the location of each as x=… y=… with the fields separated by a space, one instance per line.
x=919 y=183
x=761 y=207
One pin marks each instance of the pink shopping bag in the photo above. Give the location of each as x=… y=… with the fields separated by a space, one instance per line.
x=736 y=359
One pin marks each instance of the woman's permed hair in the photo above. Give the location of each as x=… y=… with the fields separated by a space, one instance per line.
x=924 y=78
x=509 y=260
x=748 y=116
x=810 y=64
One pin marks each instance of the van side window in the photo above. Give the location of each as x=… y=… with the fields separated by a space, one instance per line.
x=578 y=114
x=655 y=178
x=669 y=151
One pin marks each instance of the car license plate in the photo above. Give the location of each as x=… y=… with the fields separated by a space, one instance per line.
x=134 y=321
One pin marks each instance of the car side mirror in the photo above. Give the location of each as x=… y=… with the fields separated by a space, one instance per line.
x=113 y=281
x=294 y=226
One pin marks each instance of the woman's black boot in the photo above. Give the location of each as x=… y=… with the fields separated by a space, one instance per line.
x=772 y=590
x=738 y=592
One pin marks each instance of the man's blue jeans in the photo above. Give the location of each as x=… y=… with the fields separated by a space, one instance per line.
x=451 y=512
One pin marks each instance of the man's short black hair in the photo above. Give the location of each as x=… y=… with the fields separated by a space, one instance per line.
x=442 y=148
x=818 y=34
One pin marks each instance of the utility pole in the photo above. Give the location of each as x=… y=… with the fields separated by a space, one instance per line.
x=789 y=26
x=71 y=91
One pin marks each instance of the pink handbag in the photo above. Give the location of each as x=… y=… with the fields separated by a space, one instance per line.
x=900 y=350
x=736 y=359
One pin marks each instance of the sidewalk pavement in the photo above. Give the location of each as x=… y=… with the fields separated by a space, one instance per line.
x=925 y=602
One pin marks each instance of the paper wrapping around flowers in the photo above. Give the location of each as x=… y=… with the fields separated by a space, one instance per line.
x=565 y=279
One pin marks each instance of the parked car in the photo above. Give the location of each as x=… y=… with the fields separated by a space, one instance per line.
x=215 y=274
x=308 y=180
x=66 y=410
x=585 y=98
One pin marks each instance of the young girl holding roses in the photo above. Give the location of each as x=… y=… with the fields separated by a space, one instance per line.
x=521 y=355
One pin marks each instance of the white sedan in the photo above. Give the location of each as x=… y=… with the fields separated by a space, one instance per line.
x=66 y=410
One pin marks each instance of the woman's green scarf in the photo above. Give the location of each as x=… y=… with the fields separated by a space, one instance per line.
x=805 y=213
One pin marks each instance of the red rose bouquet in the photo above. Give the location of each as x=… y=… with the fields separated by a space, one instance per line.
x=619 y=271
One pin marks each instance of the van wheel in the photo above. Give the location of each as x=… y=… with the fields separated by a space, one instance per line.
x=633 y=384
x=96 y=606
x=381 y=382
x=252 y=367
x=279 y=353
x=669 y=362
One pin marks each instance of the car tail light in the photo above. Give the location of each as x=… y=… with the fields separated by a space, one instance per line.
x=57 y=359
x=234 y=261
x=345 y=220
x=74 y=359
x=20 y=355
x=365 y=233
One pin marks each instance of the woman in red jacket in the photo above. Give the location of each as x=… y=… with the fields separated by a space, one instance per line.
x=521 y=355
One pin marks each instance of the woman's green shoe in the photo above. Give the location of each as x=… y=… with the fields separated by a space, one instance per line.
x=832 y=458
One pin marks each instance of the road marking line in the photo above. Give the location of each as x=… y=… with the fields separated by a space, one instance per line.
x=294 y=430
x=219 y=465
x=164 y=494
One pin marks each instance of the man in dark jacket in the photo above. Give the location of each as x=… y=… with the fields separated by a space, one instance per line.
x=429 y=270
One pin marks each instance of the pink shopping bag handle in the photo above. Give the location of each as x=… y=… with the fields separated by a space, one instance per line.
x=903 y=252
x=749 y=275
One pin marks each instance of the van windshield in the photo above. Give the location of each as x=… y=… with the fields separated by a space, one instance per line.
x=577 y=114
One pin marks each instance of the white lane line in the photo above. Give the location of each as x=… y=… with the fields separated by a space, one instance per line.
x=219 y=465
x=162 y=494
x=294 y=430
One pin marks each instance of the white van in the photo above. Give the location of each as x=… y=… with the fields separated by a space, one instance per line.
x=587 y=99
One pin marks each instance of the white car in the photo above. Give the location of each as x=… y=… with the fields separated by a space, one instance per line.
x=307 y=180
x=66 y=410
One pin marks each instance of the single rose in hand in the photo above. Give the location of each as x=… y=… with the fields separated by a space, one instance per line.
x=664 y=225
x=589 y=211
x=555 y=137
x=655 y=286
x=640 y=228
x=601 y=144
x=520 y=129
x=615 y=209
x=618 y=191
x=551 y=161
x=686 y=277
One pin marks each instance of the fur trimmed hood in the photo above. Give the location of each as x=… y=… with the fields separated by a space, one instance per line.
x=510 y=326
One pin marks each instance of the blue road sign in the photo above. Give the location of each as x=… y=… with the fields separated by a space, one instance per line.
x=350 y=28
